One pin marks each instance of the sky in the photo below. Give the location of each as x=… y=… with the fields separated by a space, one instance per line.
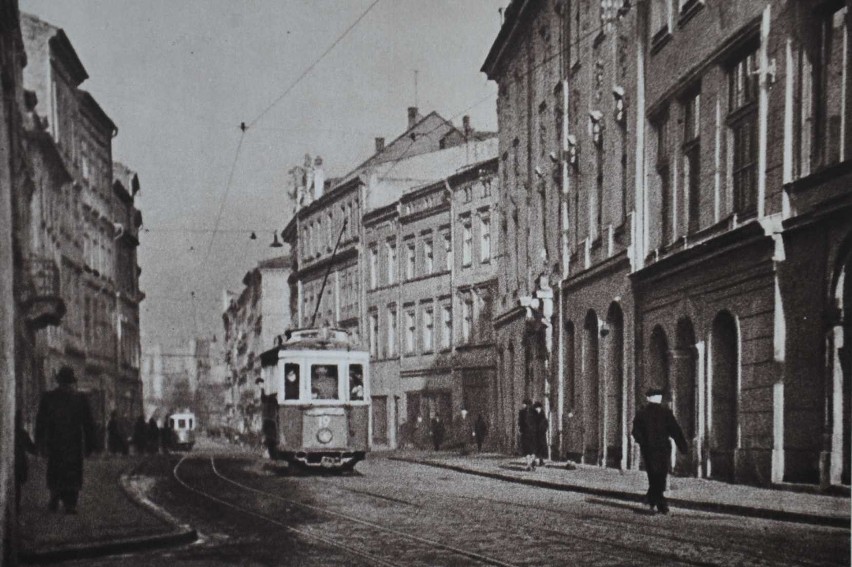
x=179 y=77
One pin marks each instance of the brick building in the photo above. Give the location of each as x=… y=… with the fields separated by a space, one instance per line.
x=705 y=151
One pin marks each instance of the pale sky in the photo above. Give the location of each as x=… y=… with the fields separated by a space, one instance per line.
x=178 y=78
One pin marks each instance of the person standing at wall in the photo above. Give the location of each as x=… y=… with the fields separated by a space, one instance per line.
x=541 y=425
x=65 y=431
x=527 y=429
x=653 y=427
x=480 y=431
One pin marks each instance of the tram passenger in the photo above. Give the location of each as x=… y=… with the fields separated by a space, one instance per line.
x=291 y=382
x=356 y=385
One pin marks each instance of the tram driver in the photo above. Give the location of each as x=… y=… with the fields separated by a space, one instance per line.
x=291 y=381
x=356 y=384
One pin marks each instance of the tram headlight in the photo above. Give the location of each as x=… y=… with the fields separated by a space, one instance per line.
x=324 y=435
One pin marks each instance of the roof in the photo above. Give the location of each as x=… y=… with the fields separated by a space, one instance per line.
x=388 y=181
x=512 y=19
x=125 y=181
x=39 y=32
x=90 y=104
x=276 y=263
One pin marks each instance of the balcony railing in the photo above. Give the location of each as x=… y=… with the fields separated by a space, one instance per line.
x=41 y=300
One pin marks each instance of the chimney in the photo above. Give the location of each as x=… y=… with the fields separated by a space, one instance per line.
x=380 y=144
x=412 y=116
x=319 y=178
x=468 y=130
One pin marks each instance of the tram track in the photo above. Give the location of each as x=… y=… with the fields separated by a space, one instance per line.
x=409 y=545
x=595 y=534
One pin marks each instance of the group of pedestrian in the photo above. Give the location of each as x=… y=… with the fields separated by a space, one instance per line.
x=149 y=437
x=463 y=431
x=533 y=429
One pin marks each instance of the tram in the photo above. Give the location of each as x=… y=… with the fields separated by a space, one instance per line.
x=316 y=408
x=182 y=426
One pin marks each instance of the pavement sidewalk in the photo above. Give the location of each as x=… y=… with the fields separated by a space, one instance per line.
x=113 y=517
x=683 y=492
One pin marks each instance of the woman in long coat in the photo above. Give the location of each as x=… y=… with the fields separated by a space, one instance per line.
x=540 y=433
x=65 y=430
x=528 y=427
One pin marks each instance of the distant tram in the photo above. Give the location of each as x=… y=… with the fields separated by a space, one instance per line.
x=316 y=410
x=182 y=426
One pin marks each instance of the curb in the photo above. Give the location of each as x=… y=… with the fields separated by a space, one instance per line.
x=716 y=507
x=180 y=534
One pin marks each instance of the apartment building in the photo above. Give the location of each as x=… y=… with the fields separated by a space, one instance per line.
x=701 y=170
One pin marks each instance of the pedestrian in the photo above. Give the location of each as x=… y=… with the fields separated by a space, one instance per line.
x=65 y=431
x=116 y=443
x=653 y=426
x=438 y=432
x=464 y=432
x=166 y=435
x=23 y=445
x=527 y=427
x=541 y=426
x=140 y=435
x=153 y=436
x=480 y=431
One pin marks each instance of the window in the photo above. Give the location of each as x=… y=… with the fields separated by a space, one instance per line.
x=428 y=328
x=692 y=159
x=484 y=318
x=374 y=267
x=428 y=257
x=467 y=242
x=391 y=346
x=292 y=376
x=448 y=251
x=409 y=260
x=832 y=124
x=447 y=326
x=660 y=19
x=742 y=120
x=664 y=175
x=484 y=238
x=391 y=252
x=374 y=335
x=356 y=382
x=467 y=317
x=324 y=382
x=410 y=329
x=468 y=194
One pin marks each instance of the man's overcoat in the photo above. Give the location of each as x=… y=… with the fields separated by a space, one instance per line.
x=66 y=432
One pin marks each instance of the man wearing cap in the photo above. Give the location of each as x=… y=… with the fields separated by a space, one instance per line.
x=65 y=431
x=653 y=426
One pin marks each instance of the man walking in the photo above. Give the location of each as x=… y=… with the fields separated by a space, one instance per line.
x=66 y=432
x=653 y=426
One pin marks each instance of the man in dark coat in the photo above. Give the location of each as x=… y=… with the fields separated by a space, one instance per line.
x=116 y=442
x=438 y=432
x=653 y=426
x=65 y=431
x=527 y=426
x=153 y=436
x=480 y=431
x=541 y=426
x=140 y=435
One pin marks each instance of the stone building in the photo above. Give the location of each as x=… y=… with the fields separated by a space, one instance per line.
x=252 y=320
x=428 y=281
x=82 y=233
x=704 y=151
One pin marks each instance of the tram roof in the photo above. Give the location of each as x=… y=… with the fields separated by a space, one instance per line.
x=323 y=338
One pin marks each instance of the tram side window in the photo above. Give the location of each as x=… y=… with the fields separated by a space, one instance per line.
x=324 y=379
x=356 y=382
x=291 y=381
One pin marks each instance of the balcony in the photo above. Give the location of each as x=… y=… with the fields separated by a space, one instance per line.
x=41 y=302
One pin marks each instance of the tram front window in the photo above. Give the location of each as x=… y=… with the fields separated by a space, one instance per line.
x=291 y=381
x=324 y=380
x=356 y=382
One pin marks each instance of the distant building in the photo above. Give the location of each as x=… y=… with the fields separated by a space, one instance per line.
x=252 y=320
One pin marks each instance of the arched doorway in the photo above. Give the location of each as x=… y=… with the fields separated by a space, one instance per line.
x=724 y=387
x=591 y=391
x=684 y=380
x=840 y=337
x=614 y=388
x=570 y=437
x=658 y=375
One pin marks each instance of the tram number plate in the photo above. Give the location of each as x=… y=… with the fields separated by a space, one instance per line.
x=329 y=462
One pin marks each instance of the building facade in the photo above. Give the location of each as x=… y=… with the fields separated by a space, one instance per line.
x=703 y=152
x=252 y=320
x=81 y=236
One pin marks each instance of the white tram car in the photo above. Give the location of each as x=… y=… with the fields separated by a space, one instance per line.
x=316 y=410
x=183 y=427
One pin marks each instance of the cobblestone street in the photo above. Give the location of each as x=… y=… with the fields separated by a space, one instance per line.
x=250 y=512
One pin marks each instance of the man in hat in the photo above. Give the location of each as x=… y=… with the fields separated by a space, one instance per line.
x=653 y=426
x=527 y=426
x=65 y=431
